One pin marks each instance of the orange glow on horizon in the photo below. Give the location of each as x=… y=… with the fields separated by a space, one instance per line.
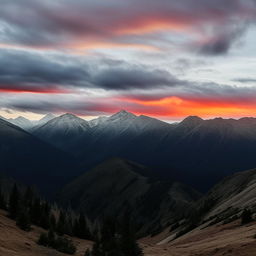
x=178 y=108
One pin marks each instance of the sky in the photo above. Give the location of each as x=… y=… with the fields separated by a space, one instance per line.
x=167 y=59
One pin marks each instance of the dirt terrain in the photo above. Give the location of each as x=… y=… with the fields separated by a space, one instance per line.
x=15 y=242
x=230 y=239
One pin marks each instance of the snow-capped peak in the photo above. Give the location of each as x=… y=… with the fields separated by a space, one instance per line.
x=98 y=121
x=21 y=121
x=68 y=116
x=46 y=118
x=122 y=115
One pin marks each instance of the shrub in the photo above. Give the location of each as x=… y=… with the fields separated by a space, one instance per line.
x=246 y=217
x=65 y=245
x=23 y=221
x=59 y=243
x=43 y=239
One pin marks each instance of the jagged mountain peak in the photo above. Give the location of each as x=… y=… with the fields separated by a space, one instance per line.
x=97 y=121
x=21 y=118
x=48 y=117
x=122 y=114
x=68 y=115
x=62 y=130
x=69 y=120
x=21 y=121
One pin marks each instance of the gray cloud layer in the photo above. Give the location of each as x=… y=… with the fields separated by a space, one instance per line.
x=61 y=23
x=24 y=71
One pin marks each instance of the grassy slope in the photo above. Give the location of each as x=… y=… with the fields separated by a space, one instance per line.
x=231 y=239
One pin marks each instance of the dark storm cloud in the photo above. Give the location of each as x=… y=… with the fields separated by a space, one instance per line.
x=132 y=78
x=63 y=23
x=223 y=39
x=23 y=71
x=218 y=47
x=42 y=104
x=201 y=92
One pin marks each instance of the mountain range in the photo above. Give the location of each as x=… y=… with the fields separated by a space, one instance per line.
x=189 y=151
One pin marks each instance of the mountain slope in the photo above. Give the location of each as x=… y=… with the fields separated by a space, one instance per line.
x=30 y=160
x=22 y=122
x=118 y=185
x=62 y=131
x=232 y=194
x=215 y=213
x=122 y=135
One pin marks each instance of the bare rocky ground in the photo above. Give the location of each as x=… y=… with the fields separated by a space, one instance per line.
x=230 y=239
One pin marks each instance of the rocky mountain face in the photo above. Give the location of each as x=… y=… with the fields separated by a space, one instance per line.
x=62 y=131
x=118 y=185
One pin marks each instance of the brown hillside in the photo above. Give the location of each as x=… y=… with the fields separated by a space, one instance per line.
x=15 y=242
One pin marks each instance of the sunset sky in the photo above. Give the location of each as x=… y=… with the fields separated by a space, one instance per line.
x=163 y=58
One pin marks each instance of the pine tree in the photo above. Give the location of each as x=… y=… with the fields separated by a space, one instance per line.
x=23 y=220
x=28 y=197
x=80 y=228
x=108 y=235
x=36 y=211
x=69 y=226
x=45 y=215
x=128 y=243
x=2 y=200
x=51 y=238
x=117 y=239
x=52 y=222
x=14 y=202
x=62 y=224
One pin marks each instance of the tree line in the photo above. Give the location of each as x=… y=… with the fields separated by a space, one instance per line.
x=112 y=238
